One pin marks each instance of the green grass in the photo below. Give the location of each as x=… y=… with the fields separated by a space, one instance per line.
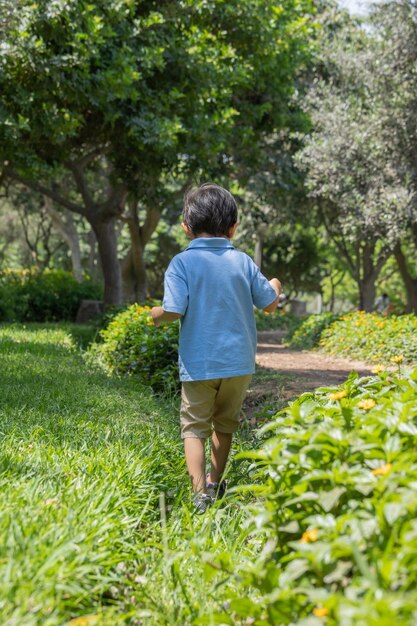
x=84 y=529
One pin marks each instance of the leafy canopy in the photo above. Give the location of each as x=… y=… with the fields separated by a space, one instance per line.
x=150 y=85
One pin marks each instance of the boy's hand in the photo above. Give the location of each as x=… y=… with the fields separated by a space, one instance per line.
x=276 y=286
x=159 y=316
x=156 y=312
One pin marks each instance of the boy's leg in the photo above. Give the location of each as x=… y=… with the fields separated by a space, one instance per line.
x=220 y=448
x=226 y=415
x=197 y=402
x=196 y=462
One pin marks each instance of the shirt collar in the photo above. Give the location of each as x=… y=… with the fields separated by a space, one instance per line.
x=210 y=242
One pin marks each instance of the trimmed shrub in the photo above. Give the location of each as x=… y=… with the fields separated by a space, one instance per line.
x=372 y=337
x=308 y=334
x=131 y=344
x=48 y=296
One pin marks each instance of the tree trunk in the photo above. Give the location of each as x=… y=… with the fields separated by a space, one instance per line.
x=68 y=232
x=368 y=271
x=135 y=284
x=107 y=245
x=134 y=275
x=410 y=283
x=259 y=250
x=93 y=262
x=367 y=293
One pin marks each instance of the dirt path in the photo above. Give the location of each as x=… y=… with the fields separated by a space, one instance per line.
x=287 y=373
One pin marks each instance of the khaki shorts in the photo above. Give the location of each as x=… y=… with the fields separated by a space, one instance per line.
x=212 y=404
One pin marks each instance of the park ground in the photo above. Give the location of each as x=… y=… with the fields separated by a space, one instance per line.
x=284 y=373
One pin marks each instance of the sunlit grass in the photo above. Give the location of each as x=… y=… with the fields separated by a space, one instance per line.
x=84 y=529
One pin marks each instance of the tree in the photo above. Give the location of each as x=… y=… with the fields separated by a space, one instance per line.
x=134 y=93
x=361 y=199
x=396 y=81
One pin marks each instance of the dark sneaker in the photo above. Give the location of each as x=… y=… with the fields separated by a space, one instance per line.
x=202 y=501
x=216 y=490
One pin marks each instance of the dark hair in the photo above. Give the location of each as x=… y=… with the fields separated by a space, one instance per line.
x=209 y=209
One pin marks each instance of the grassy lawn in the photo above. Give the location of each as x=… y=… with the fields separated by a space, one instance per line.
x=95 y=518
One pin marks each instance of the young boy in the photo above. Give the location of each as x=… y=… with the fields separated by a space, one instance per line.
x=212 y=288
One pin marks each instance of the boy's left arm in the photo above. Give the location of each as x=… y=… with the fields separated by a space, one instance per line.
x=160 y=316
x=277 y=287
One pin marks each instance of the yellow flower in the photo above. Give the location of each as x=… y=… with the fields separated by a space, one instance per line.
x=377 y=369
x=310 y=536
x=85 y=620
x=382 y=470
x=367 y=404
x=397 y=359
x=321 y=611
x=338 y=395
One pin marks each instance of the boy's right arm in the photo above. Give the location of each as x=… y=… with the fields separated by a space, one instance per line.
x=277 y=287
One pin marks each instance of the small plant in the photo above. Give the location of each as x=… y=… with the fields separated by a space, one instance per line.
x=131 y=344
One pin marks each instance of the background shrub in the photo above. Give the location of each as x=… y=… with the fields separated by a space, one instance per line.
x=131 y=344
x=280 y=320
x=308 y=334
x=48 y=296
x=372 y=337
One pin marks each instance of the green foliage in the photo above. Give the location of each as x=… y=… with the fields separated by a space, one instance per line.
x=34 y=296
x=373 y=337
x=146 y=84
x=308 y=334
x=294 y=254
x=131 y=344
x=280 y=320
x=338 y=520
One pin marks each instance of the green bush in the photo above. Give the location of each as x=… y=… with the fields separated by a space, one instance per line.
x=48 y=296
x=280 y=320
x=131 y=344
x=339 y=511
x=308 y=334
x=373 y=337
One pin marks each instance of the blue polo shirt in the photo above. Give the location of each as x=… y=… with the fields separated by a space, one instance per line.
x=214 y=287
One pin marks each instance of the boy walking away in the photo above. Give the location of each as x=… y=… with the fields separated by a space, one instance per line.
x=213 y=288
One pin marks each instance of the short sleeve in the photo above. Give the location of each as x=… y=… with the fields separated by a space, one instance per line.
x=175 y=289
x=262 y=293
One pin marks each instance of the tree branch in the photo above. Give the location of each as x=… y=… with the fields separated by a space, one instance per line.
x=51 y=193
x=77 y=170
x=114 y=204
x=151 y=222
x=340 y=244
